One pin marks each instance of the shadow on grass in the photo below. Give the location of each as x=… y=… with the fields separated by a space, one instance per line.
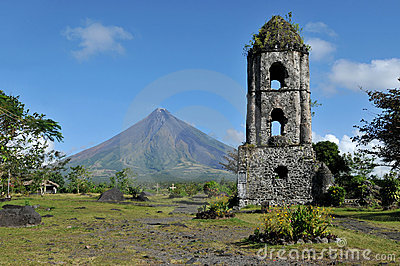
x=190 y=202
x=391 y=216
x=372 y=215
x=247 y=244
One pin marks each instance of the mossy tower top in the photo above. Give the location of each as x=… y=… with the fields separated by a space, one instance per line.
x=278 y=35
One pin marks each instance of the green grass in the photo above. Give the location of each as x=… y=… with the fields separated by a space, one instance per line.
x=111 y=233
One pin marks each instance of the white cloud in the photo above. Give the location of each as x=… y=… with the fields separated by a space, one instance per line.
x=347 y=146
x=320 y=49
x=319 y=27
x=95 y=38
x=234 y=137
x=377 y=75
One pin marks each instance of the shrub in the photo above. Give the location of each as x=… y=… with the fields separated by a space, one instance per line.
x=229 y=187
x=178 y=192
x=191 y=189
x=99 y=188
x=336 y=195
x=211 y=188
x=218 y=208
x=390 y=189
x=291 y=224
x=134 y=191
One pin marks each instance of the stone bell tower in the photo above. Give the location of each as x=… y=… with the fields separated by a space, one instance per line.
x=277 y=164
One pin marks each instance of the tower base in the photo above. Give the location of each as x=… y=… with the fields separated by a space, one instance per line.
x=276 y=175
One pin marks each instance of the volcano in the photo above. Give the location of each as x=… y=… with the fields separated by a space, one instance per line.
x=158 y=148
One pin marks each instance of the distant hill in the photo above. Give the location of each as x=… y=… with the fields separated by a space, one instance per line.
x=158 y=148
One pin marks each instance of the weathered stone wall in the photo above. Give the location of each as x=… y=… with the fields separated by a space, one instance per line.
x=293 y=98
x=261 y=183
x=289 y=155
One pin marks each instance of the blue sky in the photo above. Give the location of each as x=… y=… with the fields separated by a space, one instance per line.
x=97 y=67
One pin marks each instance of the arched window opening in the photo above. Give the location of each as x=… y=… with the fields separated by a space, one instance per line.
x=277 y=72
x=281 y=172
x=278 y=121
x=276 y=85
x=276 y=128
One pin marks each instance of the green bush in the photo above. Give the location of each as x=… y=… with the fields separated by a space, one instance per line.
x=134 y=191
x=336 y=195
x=99 y=188
x=218 y=208
x=291 y=224
x=390 y=189
x=211 y=188
x=178 y=192
x=191 y=189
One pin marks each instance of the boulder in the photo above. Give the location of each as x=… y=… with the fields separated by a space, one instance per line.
x=322 y=180
x=141 y=197
x=113 y=194
x=147 y=194
x=18 y=216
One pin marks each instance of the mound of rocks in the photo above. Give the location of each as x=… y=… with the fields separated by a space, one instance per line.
x=147 y=194
x=18 y=216
x=141 y=197
x=113 y=194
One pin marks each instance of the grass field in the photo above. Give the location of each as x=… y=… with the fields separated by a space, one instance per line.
x=84 y=231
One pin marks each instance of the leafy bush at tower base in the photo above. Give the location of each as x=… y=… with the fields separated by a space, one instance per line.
x=289 y=224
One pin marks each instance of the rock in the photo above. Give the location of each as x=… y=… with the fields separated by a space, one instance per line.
x=321 y=182
x=282 y=241
x=300 y=241
x=17 y=216
x=317 y=240
x=309 y=241
x=111 y=195
x=324 y=240
x=147 y=194
x=141 y=197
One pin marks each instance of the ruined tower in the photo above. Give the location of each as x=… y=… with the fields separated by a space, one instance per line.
x=277 y=163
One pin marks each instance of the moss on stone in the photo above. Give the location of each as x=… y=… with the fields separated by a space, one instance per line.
x=278 y=34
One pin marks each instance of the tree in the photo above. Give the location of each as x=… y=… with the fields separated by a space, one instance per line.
x=23 y=139
x=328 y=153
x=359 y=181
x=231 y=161
x=79 y=178
x=360 y=164
x=314 y=104
x=121 y=179
x=390 y=191
x=385 y=127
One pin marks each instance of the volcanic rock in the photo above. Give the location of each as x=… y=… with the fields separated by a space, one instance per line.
x=18 y=216
x=113 y=194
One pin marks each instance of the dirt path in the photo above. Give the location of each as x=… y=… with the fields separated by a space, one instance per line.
x=191 y=206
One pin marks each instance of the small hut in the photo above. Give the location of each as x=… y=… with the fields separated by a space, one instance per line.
x=46 y=186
